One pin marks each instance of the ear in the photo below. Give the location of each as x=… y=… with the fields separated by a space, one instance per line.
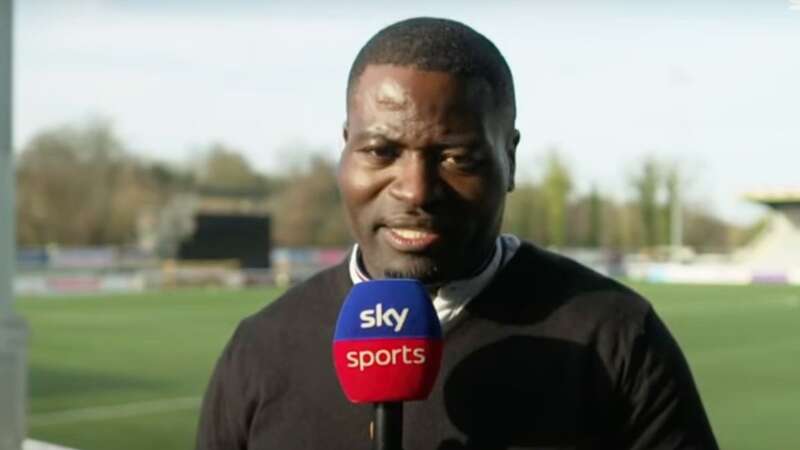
x=511 y=154
x=344 y=131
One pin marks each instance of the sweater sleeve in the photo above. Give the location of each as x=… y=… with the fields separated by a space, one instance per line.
x=230 y=399
x=662 y=407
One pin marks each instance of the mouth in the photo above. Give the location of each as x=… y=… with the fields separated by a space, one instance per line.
x=406 y=239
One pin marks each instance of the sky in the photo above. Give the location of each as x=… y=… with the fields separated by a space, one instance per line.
x=713 y=86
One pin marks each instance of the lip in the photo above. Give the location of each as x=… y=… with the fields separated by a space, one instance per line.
x=410 y=239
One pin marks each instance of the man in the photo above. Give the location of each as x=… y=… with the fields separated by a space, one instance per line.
x=540 y=352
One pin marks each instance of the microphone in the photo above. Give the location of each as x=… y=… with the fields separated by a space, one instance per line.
x=387 y=349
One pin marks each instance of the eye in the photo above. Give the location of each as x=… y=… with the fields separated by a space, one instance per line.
x=462 y=160
x=382 y=153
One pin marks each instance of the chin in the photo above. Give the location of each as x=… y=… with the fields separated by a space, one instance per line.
x=422 y=269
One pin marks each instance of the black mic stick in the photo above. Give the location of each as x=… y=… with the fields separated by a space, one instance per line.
x=388 y=426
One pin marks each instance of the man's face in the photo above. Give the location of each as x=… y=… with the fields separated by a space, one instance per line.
x=427 y=162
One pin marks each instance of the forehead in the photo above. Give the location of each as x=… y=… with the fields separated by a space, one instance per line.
x=386 y=92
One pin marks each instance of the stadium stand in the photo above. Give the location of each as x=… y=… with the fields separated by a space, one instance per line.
x=773 y=257
x=778 y=247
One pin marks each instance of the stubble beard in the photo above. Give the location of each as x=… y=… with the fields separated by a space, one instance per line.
x=425 y=273
x=426 y=269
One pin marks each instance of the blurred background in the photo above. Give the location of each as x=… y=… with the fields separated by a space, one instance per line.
x=175 y=167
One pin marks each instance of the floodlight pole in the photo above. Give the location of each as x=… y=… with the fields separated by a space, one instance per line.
x=13 y=331
x=676 y=220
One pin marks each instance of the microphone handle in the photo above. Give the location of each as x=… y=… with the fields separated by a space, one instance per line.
x=388 y=426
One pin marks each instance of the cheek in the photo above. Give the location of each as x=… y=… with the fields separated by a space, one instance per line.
x=491 y=206
x=359 y=187
x=482 y=195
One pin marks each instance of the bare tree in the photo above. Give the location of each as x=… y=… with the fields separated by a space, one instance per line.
x=307 y=210
x=79 y=186
x=222 y=167
x=524 y=213
x=646 y=182
x=556 y=187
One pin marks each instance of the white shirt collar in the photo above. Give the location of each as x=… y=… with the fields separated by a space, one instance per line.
x=451 y=298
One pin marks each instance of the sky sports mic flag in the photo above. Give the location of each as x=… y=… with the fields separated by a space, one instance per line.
x=388 y=342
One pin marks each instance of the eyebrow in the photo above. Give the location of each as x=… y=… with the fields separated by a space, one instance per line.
x=452 y=140
x=461 y=140
x=366 y=135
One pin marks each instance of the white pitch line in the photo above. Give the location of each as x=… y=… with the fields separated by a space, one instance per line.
x=114 y=411
x=31 y=444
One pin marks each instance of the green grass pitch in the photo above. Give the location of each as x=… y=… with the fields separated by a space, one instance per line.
x=126 y=371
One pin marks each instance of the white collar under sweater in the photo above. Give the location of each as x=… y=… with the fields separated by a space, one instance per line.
x=452 y=297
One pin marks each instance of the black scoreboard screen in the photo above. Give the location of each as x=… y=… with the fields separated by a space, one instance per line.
x=244 y=238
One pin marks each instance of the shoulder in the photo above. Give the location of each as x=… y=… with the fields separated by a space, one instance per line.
x=306 y=305
x=589 y=308
x=256 y=364
x=643 y=371
x=265 y=346
x=563 y=291
x=302 y=315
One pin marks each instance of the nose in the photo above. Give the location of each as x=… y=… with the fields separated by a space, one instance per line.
x=416 y=180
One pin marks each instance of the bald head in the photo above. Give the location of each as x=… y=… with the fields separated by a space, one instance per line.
x=441 y=45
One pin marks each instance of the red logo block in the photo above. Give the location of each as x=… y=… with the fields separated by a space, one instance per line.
x=387 y=370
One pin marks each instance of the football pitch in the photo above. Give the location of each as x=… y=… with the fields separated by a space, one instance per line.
x=127 y=371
